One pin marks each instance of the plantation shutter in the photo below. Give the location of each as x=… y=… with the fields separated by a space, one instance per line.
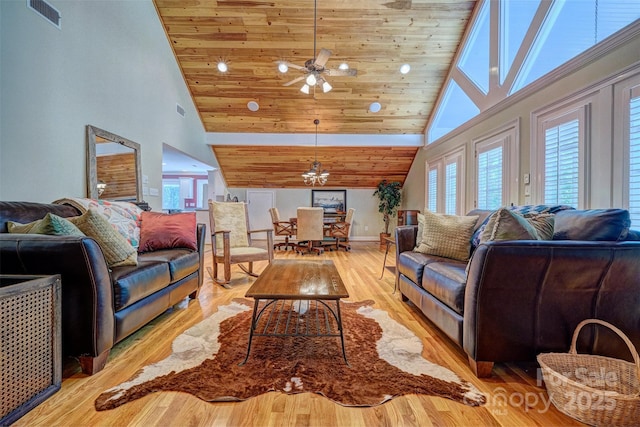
x=561 y=154
x=450 y=188
x=432 y=203
x=490 y=179
x=634 y=160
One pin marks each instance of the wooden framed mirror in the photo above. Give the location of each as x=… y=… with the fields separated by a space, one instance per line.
x=114 y=169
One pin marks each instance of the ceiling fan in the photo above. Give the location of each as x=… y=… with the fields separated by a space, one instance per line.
x=314 y=69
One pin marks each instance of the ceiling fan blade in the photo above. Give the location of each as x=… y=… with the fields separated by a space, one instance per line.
x=323 y=57
x=290 y=65
x=296 y=80
x=341 y=73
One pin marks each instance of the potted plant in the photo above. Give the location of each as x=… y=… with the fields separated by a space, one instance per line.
x=389 y=196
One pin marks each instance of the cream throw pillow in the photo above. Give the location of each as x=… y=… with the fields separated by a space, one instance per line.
x=420 y=231
x=447 y=236
x=116 y=249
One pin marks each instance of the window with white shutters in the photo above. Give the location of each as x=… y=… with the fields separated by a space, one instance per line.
x=562 y=164
x=634 y=160
x=432 y=186
x=490 y=178
x=451 y=182
x=445 y=183
x=560 y=153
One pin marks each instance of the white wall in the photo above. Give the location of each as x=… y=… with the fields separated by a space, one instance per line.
x=367 y=221
x=110 y=66
x=609 y=64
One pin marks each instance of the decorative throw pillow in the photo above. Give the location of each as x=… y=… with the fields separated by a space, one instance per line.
x=117 y=251
x=505 y=224
x=420 y=230
x=447 y=236
x=51 y=224
x=543 y=223
x=124 y=217
x=522 y=210
x=165 y=231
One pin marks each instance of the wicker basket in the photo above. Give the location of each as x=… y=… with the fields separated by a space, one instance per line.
x=596 y=390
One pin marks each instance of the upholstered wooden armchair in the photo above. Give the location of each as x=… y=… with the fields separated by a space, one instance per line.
x=309 y=230
x=231 y=240
x=341 y=230
x=282 y=228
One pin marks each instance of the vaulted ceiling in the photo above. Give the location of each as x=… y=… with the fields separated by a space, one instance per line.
x=374 y=37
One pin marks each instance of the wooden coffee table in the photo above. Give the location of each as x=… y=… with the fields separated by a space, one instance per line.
x=297 y=299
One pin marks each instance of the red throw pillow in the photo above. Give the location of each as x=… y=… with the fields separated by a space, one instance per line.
x=166 y=231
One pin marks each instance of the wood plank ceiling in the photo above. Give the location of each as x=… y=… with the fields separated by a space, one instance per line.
x=374 y=37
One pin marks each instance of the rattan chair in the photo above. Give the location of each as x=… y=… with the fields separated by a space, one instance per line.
x=231 y=240
x=282 y=228
x=341 y=230
x=310 y=230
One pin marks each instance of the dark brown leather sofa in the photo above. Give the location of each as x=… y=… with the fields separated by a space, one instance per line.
x=100 y=306
x=524 y=297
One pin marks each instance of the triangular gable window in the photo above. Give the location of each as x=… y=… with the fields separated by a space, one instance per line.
x=456 y=108
x=474 y=60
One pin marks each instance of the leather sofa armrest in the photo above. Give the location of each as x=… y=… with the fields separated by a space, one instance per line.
x=527 y=297
x=87 y=293
x=201 y=235
x=406 y=238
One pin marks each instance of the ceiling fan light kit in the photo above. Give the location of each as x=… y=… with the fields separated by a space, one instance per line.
x=282 y=67
x=314 y=69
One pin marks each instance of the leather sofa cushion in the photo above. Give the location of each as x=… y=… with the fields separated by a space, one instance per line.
x=182 y=262
x=133 y=283
x=446 y=281
x=411 y=264
x=592 y=224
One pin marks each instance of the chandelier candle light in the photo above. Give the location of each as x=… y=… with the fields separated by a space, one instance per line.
x=313 y=176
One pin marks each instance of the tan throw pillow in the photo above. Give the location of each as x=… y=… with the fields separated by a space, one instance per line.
x=420 y=230
x=117 y=251
x=447 y=236
x=505 y=224
x=543 y=223
x=51 y=224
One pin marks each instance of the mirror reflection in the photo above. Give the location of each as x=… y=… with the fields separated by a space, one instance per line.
x=114 y=171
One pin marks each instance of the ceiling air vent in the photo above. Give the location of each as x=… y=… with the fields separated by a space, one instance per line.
x=45 y=10
x=180 y=110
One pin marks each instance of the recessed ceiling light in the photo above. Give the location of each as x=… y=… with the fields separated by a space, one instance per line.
x=222 y=67
x=375 y=107
x=253 y=106
x=405 y=68
x=344 y=66
x=282 y=67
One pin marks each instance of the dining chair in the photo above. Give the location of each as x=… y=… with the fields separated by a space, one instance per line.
x=282 y=228
x=231 y=240
x=341 y=230
x=309 y=230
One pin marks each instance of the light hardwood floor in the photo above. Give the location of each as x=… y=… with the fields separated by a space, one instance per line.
x=513 y=397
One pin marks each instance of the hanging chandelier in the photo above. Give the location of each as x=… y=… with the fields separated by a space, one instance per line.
x=314 y=175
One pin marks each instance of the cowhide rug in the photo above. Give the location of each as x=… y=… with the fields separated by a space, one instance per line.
x=384 y=356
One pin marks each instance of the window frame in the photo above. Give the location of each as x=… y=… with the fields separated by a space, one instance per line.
x=507 y=136
x=553 y=116
x=440 y=163
x=624 y=91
